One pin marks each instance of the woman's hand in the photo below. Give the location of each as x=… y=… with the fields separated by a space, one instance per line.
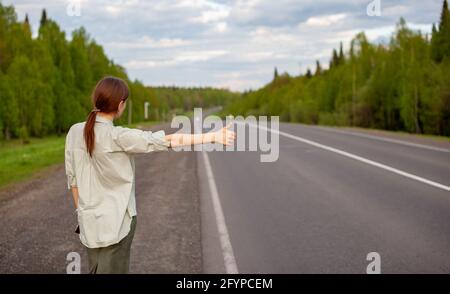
x=225 y=136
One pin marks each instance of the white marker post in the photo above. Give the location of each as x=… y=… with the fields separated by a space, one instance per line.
x=146 y=105
x=130 y=111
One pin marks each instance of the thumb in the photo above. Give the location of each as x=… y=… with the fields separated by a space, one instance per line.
x=229 y=125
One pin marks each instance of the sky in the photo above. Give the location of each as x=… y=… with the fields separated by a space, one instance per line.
x=224 y=43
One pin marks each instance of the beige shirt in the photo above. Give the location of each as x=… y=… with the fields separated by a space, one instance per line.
x=106 y=182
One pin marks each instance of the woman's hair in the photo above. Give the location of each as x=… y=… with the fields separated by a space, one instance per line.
x=106 y=97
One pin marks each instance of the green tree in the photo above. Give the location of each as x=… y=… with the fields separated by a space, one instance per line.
x=341 y=54
x=43 y=18
x=81 y=68
x=440 y=45
x=8 y=19
x=308 y=73
x=334 y=59
x=9 y=108
x=318 y=68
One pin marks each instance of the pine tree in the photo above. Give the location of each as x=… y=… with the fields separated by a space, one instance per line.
x=27 y=25
x=440 y=42
x=318 y=68
x=444 y=29
x=308 y=73
x=43 y=18
x=341 y=54
x=444 y=21
x=435 y=43
x=275 y=73
x=334 y=59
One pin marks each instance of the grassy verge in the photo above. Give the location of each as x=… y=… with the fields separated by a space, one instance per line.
x=19 y=161
x=399 y=133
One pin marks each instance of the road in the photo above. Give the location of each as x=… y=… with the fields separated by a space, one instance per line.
x=317 y=211
x=311 y=211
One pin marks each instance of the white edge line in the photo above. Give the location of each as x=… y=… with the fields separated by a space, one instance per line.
x=359 y=158
x=227 y=249
x=386 y=140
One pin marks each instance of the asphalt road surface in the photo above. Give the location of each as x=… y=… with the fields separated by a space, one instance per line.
x=317 y=211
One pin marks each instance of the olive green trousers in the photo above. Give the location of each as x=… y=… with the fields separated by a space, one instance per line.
x=114 y=259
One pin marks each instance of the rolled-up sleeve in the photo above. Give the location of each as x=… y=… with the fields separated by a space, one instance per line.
x=139 y=141
x=70 y=168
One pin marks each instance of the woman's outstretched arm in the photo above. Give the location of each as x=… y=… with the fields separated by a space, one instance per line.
x=224 y=136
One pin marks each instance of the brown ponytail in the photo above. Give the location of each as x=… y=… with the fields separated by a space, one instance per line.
x=106 y=98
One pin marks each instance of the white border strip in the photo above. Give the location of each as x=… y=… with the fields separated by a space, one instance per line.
x=386 y=140
x=359 y=158
x=227 y=249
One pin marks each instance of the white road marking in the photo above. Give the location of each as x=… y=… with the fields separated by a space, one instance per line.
x=227 y=249
x=387 y=140
x=358 y=158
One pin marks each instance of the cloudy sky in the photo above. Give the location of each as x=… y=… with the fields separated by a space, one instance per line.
x=226 y=43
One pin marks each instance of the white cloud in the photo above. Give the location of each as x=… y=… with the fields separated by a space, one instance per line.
x=148 y=42
x=256 y=56
x=184 y=57
x=212 y=15
x=113 y=10
x=200 y=55
x=395 y=10
x=221 y=27
x=197 y=4
x=245 y=10
x=324 y=20
x=264 y=35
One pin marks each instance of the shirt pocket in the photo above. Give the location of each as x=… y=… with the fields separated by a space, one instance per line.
x=97 y=227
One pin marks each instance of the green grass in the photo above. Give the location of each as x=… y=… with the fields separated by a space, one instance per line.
x=401 y=133
x=19 y=162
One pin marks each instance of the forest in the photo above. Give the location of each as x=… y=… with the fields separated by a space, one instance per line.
x=46 y=81
x=403 y=85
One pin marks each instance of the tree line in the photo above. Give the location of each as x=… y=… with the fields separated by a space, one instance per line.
x=46 y=81
x=403 y=85
x=182 y=100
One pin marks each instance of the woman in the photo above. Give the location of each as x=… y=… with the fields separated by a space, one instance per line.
x=100 y=171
